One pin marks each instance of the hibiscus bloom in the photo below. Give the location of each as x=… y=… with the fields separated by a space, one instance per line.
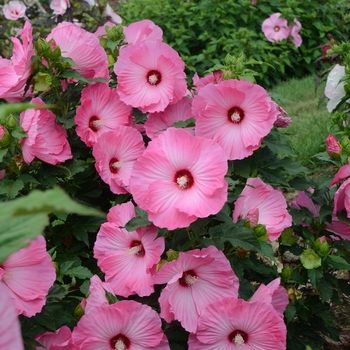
x=215 y=77
x=282 y=121
x=179 y=178
x=342 y=198
x=262 y=204
x=342 y=174
x=332 y=145
x=15 y=71
x=237 y=114
x=150 y=76
x=231 y=323
x=294 y=32
x=83 y=48
x=275 y=28
x=341 y=229
x=160 y=121
x=27 y=275
x=115 y=153
x=59 y=340
x=14 y=10
x=126 y=324
x=46 y=139
x=59 y=7
x=112 y=15
x=303 y=200
x=194 y=280
x=101 y=111
x=125 y=257
x=140 y=31
x=10 y=328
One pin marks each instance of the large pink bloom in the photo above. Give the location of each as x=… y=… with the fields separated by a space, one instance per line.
x=303 y=200
x=262 y=204
x=275 y=28
x=294 y=32
x=161 y=121
x=59 y=340
x=10 y=329
x=46 y=139
x=215 y=78
x=341 y=229
x=342 y=174
x=15 y=71
x=194 y=280
x=59 y=7
x=14 y=10
x=115 y=153
x=231 y=324
x=179 y=178
x=236 y=114
x=127 y=257
x=140 y=31
x=342 y=198
x=124 y=325
x=28 y=274
x=150 y=76
x=101 y=110
x=83 y=48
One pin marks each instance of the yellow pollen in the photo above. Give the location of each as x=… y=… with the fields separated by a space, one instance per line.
x=134 y=250
x=97 y=124
x=190 y=280
x=117 y=165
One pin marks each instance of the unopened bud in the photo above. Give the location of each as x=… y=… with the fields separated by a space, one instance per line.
x=260 y=232
x=79 y=310
x=286 y=274
x=11 y=122
x=333 y=147
x=321 y=246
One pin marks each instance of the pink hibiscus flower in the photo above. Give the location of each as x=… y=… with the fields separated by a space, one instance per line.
x=14 y=10
x=59 y=7
x=46 y=139
x=236 y=114
x=194 y=280
x=294 y=32
x=341 y=229
x=215 y=77
x=115 y=153
x=275 y=28
x=231 y=324
x=140 y=31
x=15 y=71
x=125 y=257
x=150 y=76
x=10 y=328
x=262 y=204
x=161 y=121
x=342 y=198
x=332 y=145
x=101 y=111
x=273 y=294
x=59 y=340
x=83 y=48
x=342 y=174
x=282 y=121
x=176 y=186
x=109 y=12
x=126 y=324
x=303 y=200
x=27 y=275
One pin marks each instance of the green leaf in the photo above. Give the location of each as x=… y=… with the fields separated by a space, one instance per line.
x=290 y=312
x=140 y=221
x=112 y=299
x=79 y=272
x=338 y=262
x=315 y=276
x=184 y=124
x=11 y=188
x=287 y=237
x=325 y=289
x=310 y=259
x=278 y=143
x=3 y=152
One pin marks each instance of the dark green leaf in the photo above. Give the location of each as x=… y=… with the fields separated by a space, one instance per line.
x=10 y=187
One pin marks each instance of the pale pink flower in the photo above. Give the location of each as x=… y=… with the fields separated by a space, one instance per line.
x=341 y=229
x=282 y=121
x=27 y=275
x=101 y=111
x=158 y=122
x=262 y=204
x=237 y=114
x=232 y=324
x=126 y=324
x=83 y=48
x=14 y=10
x=334 y=89
x=294 y=32
x=275 y=28
x=59 y=340
x=342 y=174
x=274 y=294
x=342 y=198
x=46 y=139
x=112 y=15
x=194 y=280
x=59 y=7
x=150 y=76
x=10 y=328
x=115 y=153
x=179 y=178
x=303 y=200
x=140 y=31
x=215 y=78
x=332 y=145
x=14 y=72
x=125 y=257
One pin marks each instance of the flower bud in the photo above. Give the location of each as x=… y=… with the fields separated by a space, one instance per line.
x=294 y=294
x=321 y=246
x=5 y=138
x=42 y=47
x=11 y=122
x=286 y=274
x=260 y=232
x=333 y=147
x=79 y=310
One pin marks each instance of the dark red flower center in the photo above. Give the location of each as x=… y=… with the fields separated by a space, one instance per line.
x=119 y=342
x=154 y=77
x=115 y=165
x=277 y=29
x=188 y=278
x=95 y=123
x=235 y=115
x=184 y=179
x=136 y=248
x=238 y=337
